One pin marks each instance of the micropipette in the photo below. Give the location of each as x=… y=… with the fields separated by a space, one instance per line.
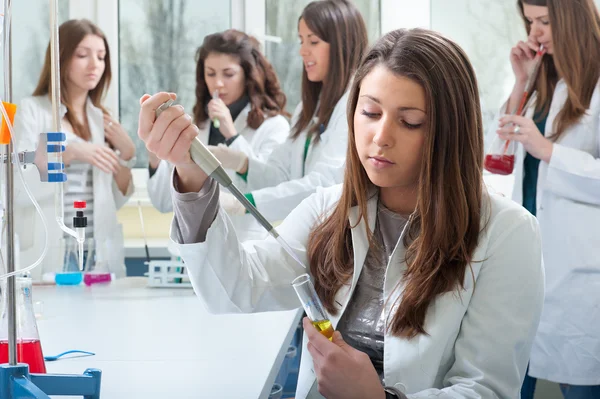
x=216 y=122
x=212 y=167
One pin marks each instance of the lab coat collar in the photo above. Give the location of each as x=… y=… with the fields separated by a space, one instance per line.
x=62 y=108
x=359 y=235
x=95 y=117
x=241 y=121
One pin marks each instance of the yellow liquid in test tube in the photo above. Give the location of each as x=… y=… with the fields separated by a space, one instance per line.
x=324 y=327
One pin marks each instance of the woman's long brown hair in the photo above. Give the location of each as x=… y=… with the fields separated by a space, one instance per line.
x=576 y=39
x=70 y=34
x=262 y=84
x=445 y=227
x=339 y=23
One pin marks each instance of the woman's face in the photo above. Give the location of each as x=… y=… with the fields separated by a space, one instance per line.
x=87 y=64
x=390 y=129
x=224 y=73
x=314 y=52
x=541 y=31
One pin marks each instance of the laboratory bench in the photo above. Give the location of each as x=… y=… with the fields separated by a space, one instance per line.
x=161 y=342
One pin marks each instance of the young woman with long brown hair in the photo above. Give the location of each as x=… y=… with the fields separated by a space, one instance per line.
x=250 y=110
x=557 y=178
x=99 y=154
x=434 y=286
x=333 y=38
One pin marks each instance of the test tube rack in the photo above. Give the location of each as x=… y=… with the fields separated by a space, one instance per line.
x=167 y=274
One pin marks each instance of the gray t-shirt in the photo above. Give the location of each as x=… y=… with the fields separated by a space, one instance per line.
x=364 y=321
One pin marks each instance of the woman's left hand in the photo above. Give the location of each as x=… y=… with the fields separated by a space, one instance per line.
x=118 y=138
x=218 y=109
x=342 y=371
x=524 y=131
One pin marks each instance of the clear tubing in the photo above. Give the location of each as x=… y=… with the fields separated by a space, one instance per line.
x=59 y=204
x=33 y=200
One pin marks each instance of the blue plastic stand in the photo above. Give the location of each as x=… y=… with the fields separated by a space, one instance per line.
x=17 y=383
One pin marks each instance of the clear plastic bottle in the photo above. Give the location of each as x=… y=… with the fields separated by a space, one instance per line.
x=29 y=348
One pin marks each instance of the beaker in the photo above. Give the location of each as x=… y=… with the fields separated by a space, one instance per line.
x=69 y=273
x=29 y=348
x=500 y=158
x=97 y=268
x=312 y=305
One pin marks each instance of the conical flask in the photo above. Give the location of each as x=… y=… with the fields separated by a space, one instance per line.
x=500 y=158
x=29 y=348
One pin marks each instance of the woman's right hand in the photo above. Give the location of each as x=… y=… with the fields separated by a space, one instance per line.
x=97 y=155
x=521 y=59
x=170 y=138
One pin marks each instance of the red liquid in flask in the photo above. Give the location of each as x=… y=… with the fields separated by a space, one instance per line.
x=28 y=351
x=499 y=164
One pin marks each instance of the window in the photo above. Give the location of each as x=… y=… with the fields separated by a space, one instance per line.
x=282 y=21
x=30 y=38
x=157 y=47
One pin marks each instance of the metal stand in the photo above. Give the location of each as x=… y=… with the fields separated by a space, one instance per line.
x=15 y=380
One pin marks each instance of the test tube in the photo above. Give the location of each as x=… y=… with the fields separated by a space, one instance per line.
x=312 y=305
x=216 y=122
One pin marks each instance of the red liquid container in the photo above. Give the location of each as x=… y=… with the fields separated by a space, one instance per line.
x=29 y=348
x=28 y=351
x=500 y=158
x=499 y=164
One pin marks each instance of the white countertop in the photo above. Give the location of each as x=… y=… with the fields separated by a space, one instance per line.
x=162 y=343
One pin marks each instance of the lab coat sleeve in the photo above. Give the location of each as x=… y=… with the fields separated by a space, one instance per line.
x=497 y=331
x=272 y=171
x=159 y=188
x=254 y=276
x=276 y=168
x=277 y=202
x=575 y=174
x=268 y=136
x=27 y=128
x=120 y=198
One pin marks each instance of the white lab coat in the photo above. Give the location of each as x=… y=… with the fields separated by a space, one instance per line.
x=567 y=345
x=34 y=116
x=279 y=184
x=479 y=341
x=258 y=143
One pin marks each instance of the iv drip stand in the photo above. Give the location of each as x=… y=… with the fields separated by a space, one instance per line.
x=15 y=380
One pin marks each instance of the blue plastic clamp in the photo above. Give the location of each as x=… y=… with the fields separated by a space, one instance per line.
x=57 y=177
x=56 y=166
x=56 y=137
